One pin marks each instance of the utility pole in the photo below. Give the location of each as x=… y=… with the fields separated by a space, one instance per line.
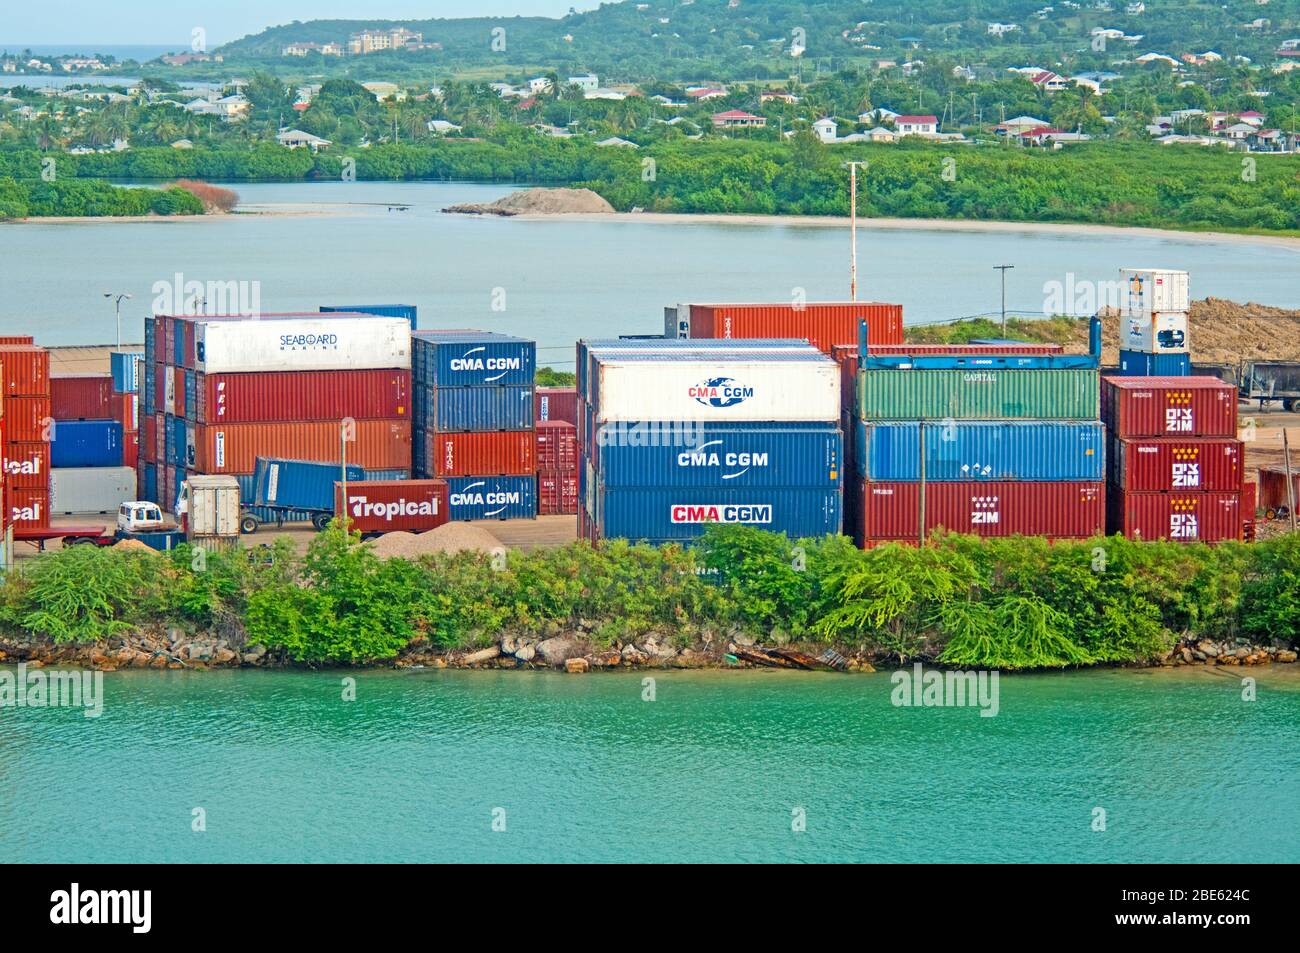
x=1004 y=269
x=853 y=229
x=117 y=306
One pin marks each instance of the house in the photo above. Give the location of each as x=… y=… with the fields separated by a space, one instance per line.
x=297 y=139
x=1239 y=131
x=442 y=127
x=665 y=101
x=587 y=82
x=1014 y=127
x=1049 y=82
x=553 y=132
x=616 y=142
x=738 y=118
x=1156 y=58
x=879 y=114
x=604 y=92
x=539 y=84
x=183 y=144
x=777 y=95
x=880 y=134
x=373 y=41
x=302 y=49
x=825 y=129
x=1251 y=116
x=704 y=93
x=1002 y=29
x=382 y=91
x=1267 y=140
x=1048 y=136
x=917 y=125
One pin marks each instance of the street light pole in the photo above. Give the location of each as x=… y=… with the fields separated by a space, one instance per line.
x=1004 y=269
x=117 y=307
x=853 y=229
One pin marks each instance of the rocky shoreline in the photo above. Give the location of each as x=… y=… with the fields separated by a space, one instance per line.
x=570 y=651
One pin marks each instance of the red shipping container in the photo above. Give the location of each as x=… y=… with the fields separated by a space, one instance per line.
x=1158 y=464
x=1169 y=407
x=492 y=453
x=27 y=465
x=846 y=356
x=25 y=369
x=188 y=347
x=557 y=445
x=178 y=391
x=16 y=339
x=149 y=439
x=384 y=506
x=555 y=403
x=131 y=449
x=126 y=408
x=27 y=419
x=234 y=448
x=1179 y=517
x=81 y=398
x=557 y=492
x=29 y=508
x=302 y=395
x=823 y=324
x=1272 y=488
x=1060 y=510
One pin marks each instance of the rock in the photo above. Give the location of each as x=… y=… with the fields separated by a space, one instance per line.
x=1241 y=653
x=1286 y=655
x=257 y=650
x=174 y=635
x=606 y=659
x=1188 y=655
x=576 y=666
x=482 y=655
x=741 y=638
x=558 y=650
x=223 y=657
x=539 y=201
x=1229 y=660
x=251 y=658
x=633 y=655
x=509 y=644
x=158 y=661
x=526 y=653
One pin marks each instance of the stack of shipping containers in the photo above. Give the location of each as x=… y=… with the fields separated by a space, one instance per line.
x=1153 y=337
x=221 y=391
x=95 y=441
x=1176 y=467
x=474 y=421
x=25 y=395
x=556 y=410
x=993 y=440
x=675 y=435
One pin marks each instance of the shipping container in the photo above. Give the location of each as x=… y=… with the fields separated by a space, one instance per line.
x=472 y=359
x=406 y=312
x=86 y=443
x=124 y=369
x=178 y=391
x=131 y=449
x=453 y=409
x=149 y=481
x=492 y=498
x=823 y=325
x=16 y=339
x=298 y=484
x=1179 y=517
x=25 y=369
x=28 y=508
x=1036 y=450
x=1169 y=407
x=412 y=506
x=147 y=389
x=488 y=453
x=209 y=507
x=701 y=348
x=81 y=490
x=27 y=419
x=557 y=492
x=27 y=465
x=661 y=514
x=784 y=386
x=720 y=456
x=165 y=389
x=1057 y=509
x=1141 y=364
x=983 y=394
x=1272 y=490
x=557 y=445
x=556 y=403
x=81 y=398
x=1159 y=464
x=852 y=475
x=1155 y=289
x=191 y=395
x=1159 y=332
x=178 y=446
x=317 y=342
x=302 y=395
x=234 y=448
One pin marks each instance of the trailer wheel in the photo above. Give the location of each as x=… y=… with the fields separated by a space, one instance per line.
x=1289 y=404
x=248 y=524
x=321 y=520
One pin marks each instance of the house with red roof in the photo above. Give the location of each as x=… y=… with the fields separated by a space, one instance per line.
x=917 y=125
x=738 y=118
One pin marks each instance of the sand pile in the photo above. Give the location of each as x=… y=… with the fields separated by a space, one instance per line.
x=132 y=545
x=448 y=538
x=539 y=202
x=1221 y=332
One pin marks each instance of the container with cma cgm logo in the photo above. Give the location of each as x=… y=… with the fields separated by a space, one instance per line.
x=681 y=514
x=492 y=498
x=472 y=359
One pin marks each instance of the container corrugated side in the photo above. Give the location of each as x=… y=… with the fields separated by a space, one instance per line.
x=1060 y=509
x=721 y=456
x=1054 y=394
x=1272 y=488
x=556 y=403
x=982 y=450
x=484 y=453
x=27 y=419
x=1142 y=364
x=87 y=397
x=124 y=369
x=1158 y=464
x=86 y=443
x=302 y=395
x=452 y=409
x=683 y=513
x=24 y=370
x=492 y=498
x=1169 y=407
x=1178 y=517
x=557 y=492
x=80 y=490
x=407 y=312
x=27 y=465
x=29 y=509
x=390 y=506
x=298 y=484
x=823 y=324
x=326 y=342
x=234 y=448
x=557 y=445
x=460 y=359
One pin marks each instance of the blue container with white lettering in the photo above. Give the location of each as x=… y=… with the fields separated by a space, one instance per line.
x=124 y=367
x=968 y=450
x=297 y=484
x=681 y=514
x=461 y=409
x=147 y=390
x=472 y=359
x=492 y=498
x=719 y=455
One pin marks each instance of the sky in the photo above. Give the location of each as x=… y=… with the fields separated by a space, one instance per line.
x=172 y=21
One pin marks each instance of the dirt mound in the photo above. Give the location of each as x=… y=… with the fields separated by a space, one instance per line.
x=539 y=202
x=132 y=545
x=448 y=538
x=1221 y=332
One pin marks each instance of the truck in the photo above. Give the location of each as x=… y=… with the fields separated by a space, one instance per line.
x=136 y=519
x=294 y=490
x=1269 y=381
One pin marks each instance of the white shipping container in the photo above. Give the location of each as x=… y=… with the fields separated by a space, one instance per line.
x=1159 y=333
x=82 y=490
x=712 y=390
x=210 y=506
x=1153 y=290
x=329 y=343
x=169 y=389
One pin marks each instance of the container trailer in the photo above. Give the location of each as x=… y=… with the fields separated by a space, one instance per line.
x=1270 y=381
x=1273 y=496
x=292 y=490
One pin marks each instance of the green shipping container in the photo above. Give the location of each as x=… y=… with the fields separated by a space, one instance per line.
x=1051 y=394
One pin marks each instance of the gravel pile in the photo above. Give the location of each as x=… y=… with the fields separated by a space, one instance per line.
x=448 y=538
x=539 y=202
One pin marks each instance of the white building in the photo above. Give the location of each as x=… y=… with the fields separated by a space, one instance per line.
x=587 y=82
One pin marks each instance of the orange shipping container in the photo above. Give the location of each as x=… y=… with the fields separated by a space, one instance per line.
x=27 y=419
x=234 y=448
x=27 y=465
x=25 y=369
x=29 y=507
x=824 y=325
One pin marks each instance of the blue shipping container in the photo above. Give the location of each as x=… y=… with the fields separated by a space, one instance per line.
x=178 y=341
x=406 y=311
x=298 y=484
x=982 y=450
x=86 y=443
x=472 y=359
x=459 y=409
x=720 y=455
x=180 y=448
x=266 y=514
x=419 y=441
x=191 y=396
x=148 y=339
x=124 y=366
x=150 y=487
x=1142 y=364
x=492 y=498
x=147 y=394
x=665 y=514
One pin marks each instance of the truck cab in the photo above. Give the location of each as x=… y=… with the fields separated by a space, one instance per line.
x=139 y=516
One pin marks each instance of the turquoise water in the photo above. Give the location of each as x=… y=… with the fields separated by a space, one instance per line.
x=585 y=770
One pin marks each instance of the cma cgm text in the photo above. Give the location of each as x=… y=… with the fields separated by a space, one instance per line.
x=688 y=513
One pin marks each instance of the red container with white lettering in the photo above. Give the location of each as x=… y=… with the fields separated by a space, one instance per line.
x=385 y=506
x=557 y=492
x=1059 y=510
x=1158 y=464
x=1178 y=517
x=1169 y=407
x=557 y=445
x=27 y=419
x=30 y=508
x=27 y=465
x=555 y=403
x=487 y=453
